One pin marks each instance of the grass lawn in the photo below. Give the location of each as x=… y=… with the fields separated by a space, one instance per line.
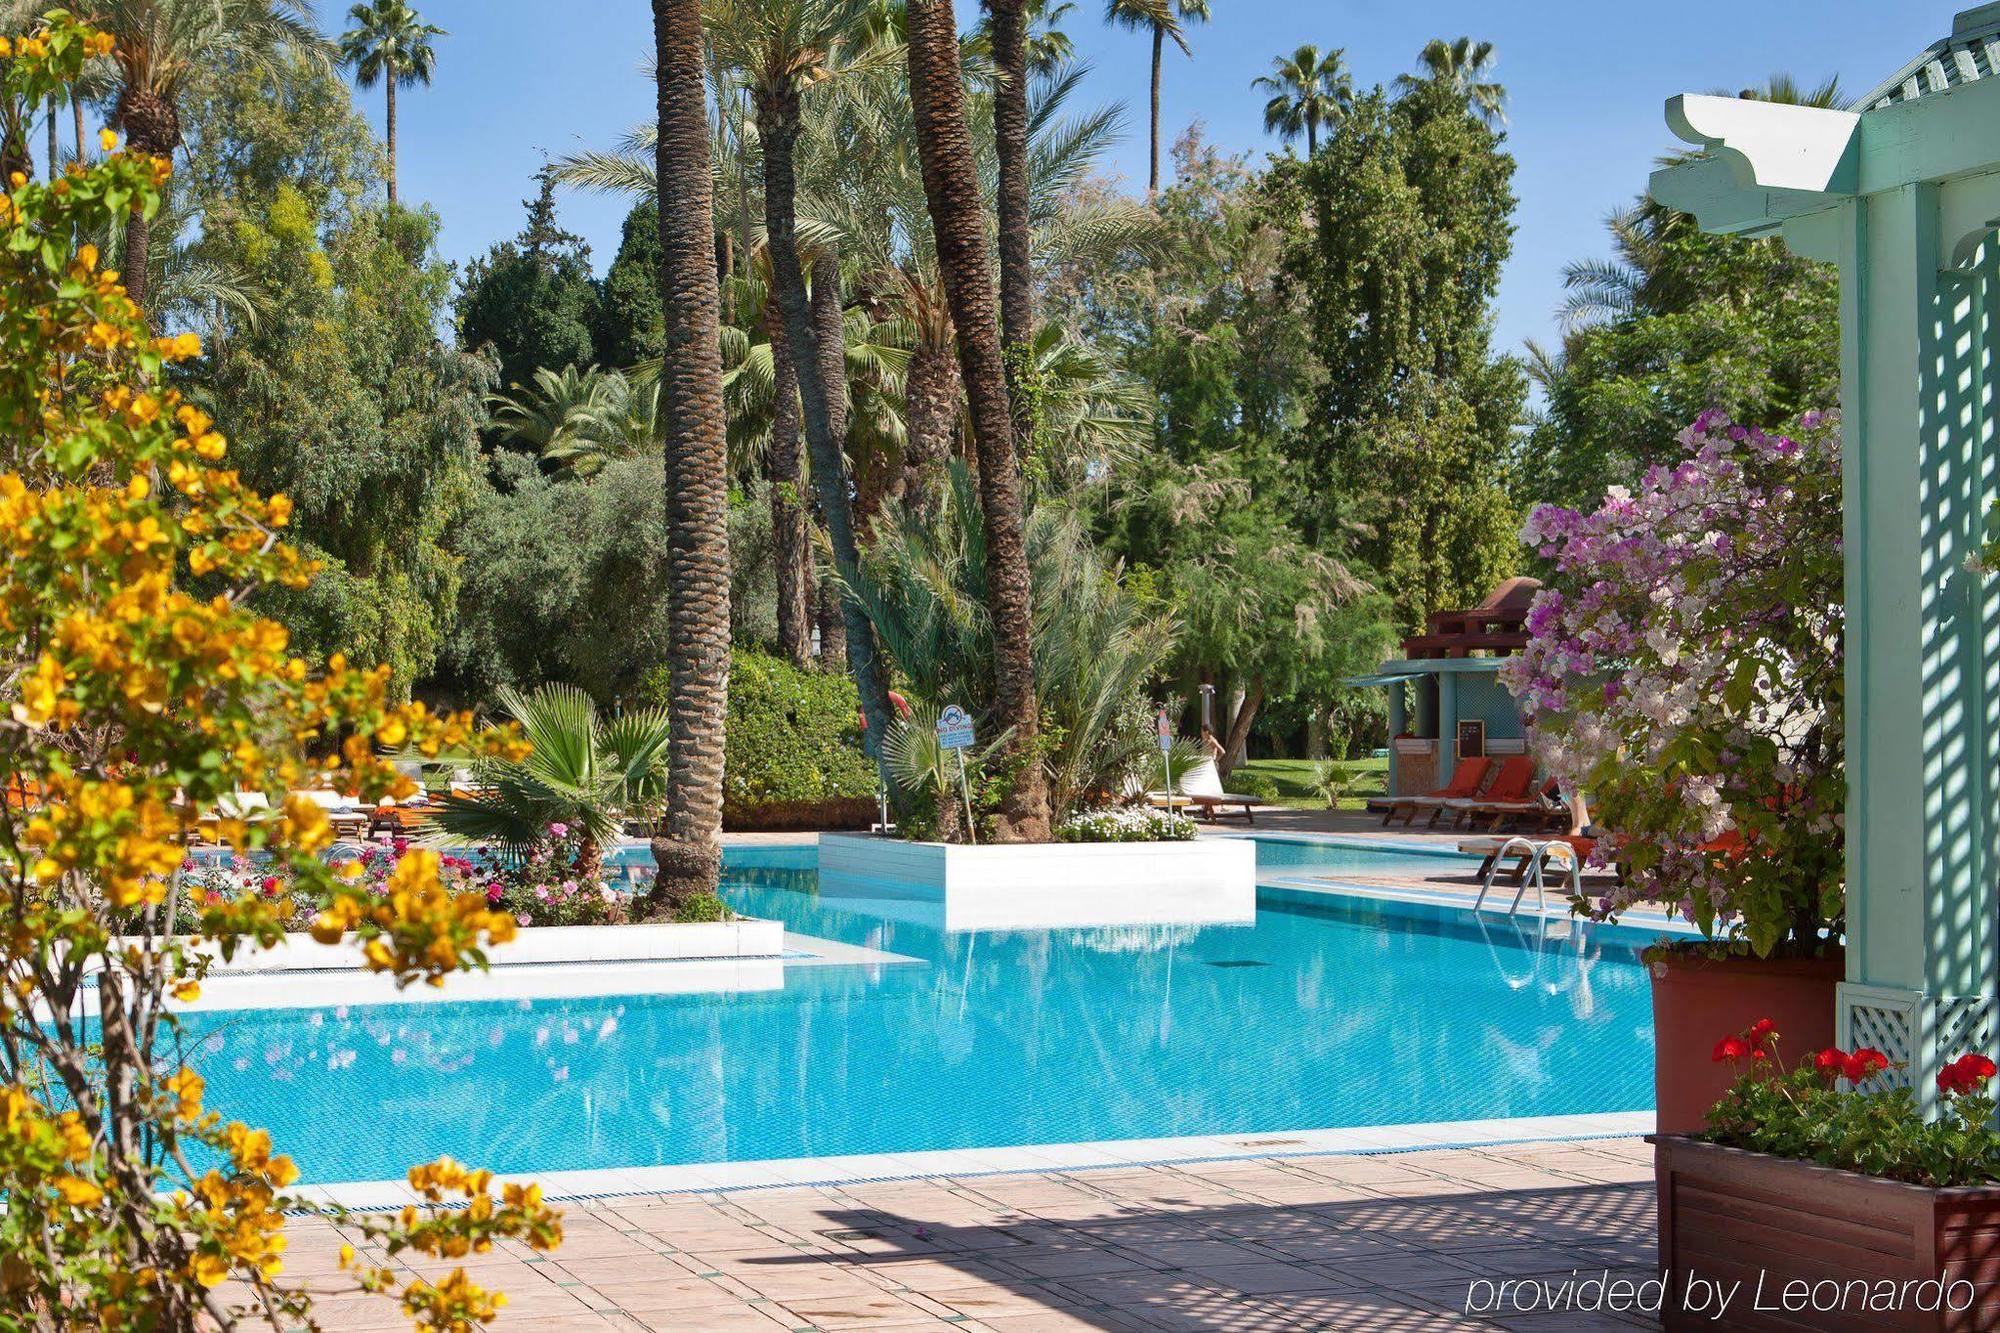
x=1294 y=780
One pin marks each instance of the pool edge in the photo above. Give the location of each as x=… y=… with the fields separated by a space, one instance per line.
x=1031 y=1159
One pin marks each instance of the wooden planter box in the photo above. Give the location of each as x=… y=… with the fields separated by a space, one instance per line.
x=1842 y=1251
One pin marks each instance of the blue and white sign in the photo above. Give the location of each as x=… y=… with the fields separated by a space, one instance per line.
x=1165 y=726
x=954 y=728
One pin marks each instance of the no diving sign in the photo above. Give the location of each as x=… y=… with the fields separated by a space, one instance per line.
x=954 y=728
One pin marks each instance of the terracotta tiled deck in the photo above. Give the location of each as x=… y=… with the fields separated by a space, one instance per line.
x=1375 y=1243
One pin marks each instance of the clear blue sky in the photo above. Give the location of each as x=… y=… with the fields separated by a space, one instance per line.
x=1586 y=79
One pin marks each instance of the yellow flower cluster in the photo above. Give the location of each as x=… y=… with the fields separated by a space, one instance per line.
x=123 y=839
x=143 y=692
x=416 y=929
x=447 y=1231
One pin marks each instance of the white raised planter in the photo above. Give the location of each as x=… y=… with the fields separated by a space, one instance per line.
x=653 y=943
x=1043 y=886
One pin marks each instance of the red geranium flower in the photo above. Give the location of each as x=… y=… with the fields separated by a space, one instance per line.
x=1761 y=1031
x=1863 y=1064
x=1965 y=1074
x=1830 y=1061
x=1731 y=1048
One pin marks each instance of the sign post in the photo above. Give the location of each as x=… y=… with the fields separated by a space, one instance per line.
x=1164 y=725
x=954 y=732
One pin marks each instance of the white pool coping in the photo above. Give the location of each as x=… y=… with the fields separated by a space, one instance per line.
x=711 y=1177
x=556 y=980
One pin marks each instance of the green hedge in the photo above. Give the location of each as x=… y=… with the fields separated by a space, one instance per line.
x=793 y=735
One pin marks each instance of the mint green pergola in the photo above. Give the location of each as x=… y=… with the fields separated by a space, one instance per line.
x=1904 y=195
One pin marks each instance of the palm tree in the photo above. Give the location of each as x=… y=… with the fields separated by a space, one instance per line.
x=1164 y=19
x=1463 y=66
x=1049 y=47
x=162 y=44
x=577 y=420
x=589 y=773
x=1307 y=90
x=958 y=223
x=390 y=42
x=778 y=48
x=687 y=851
x=1010 y=135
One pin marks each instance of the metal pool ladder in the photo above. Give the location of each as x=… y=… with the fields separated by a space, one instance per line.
x=1537 y=854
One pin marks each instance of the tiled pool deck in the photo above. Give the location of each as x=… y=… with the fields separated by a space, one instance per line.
x=1379 y=1243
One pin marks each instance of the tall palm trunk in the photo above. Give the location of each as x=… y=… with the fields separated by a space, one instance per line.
x=930 y=408
x=688 y=855
x=138 y=244
x=792 y=553
x=152 y=125
x=951 y=188
x=389 y=82
x=819 y=385
x=1153 y=171
x=1010 y=133
x=76 y=121
x=832 y=624
x=55 y=142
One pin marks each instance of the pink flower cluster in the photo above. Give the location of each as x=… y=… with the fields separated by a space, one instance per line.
x=1684 y=661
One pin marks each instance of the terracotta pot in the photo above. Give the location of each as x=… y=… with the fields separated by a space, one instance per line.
x=1698 y=1001
x=1799 y=1246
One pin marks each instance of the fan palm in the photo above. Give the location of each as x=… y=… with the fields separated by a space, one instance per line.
x=1163 y=19
x=1092 y=416
x=884 y=214
x=389 y=43
x=926 y=773
x=162 y=44
x=1307 y=90
x=589 y=773
x=694 y=435
x=1463 y=66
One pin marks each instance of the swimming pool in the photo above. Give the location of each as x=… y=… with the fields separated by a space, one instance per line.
x=1325 y=1013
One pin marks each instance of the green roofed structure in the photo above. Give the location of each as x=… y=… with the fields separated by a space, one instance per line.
x=1903 y=193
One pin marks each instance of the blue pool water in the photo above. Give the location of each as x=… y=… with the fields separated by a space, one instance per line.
x=1324 y=1013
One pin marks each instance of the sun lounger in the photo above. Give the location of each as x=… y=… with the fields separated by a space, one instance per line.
x=1465 y=782
x=1508 y=794
x=1201 y=787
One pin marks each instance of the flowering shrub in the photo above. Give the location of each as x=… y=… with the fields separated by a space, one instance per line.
x=558 y=882
x=1684 y=670
x=218 y=883
x=1125 y=824
x=1867 y=1126
x=129 y=705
